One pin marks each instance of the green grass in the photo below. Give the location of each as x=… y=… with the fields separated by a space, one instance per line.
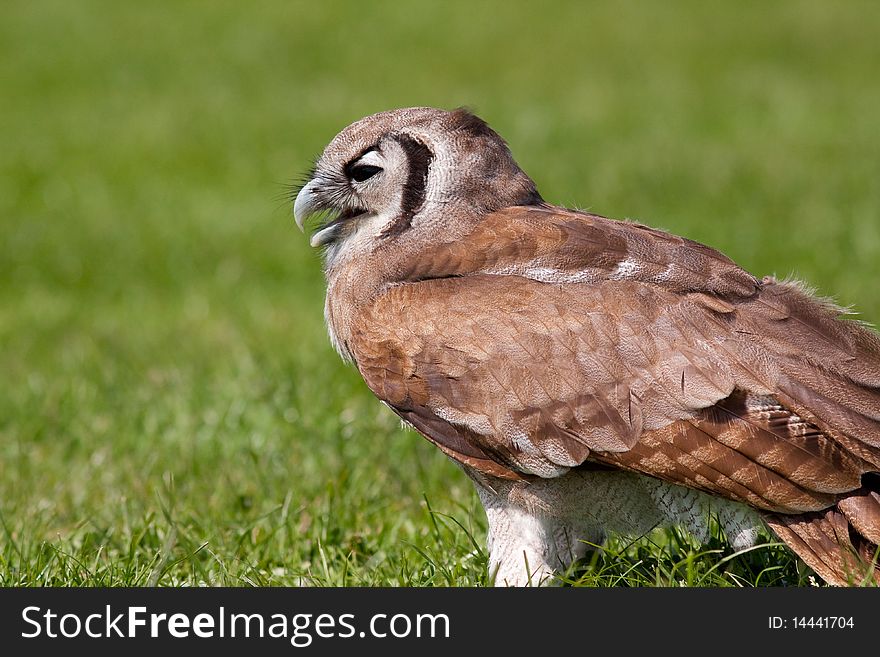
x=171 y=411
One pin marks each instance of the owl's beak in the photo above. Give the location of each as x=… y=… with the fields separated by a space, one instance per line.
x=308 y=202
x=304 y=205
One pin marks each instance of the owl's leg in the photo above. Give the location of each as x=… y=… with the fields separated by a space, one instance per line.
x=527 y=547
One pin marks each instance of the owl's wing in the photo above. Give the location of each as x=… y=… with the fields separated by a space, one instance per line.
x=552 y=339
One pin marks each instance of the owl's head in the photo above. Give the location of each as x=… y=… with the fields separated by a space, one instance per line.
x=409 y=169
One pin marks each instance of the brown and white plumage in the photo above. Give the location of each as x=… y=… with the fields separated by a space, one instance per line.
x=591 y=374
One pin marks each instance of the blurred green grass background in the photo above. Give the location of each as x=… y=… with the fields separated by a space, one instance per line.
x=171 y=411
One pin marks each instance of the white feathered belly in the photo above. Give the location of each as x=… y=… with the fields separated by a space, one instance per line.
x=631 y=505
x=550 y=522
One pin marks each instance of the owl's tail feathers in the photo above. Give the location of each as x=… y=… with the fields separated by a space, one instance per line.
x=840 y=543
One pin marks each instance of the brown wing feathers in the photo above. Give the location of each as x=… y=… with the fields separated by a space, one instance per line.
x=535 y=239
x=751 y=450
x=557 y=337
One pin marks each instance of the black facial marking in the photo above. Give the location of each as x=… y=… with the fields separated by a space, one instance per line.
x=352 y=163
x=363 y=172
x=419 y=159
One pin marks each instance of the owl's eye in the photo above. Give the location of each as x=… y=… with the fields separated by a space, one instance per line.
x=362 y=172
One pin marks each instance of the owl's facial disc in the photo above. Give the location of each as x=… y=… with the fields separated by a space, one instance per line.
x=404 y=173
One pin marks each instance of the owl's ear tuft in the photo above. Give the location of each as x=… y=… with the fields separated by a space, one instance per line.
x=466 y=121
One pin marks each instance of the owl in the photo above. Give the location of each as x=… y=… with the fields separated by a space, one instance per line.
x=590 y=375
